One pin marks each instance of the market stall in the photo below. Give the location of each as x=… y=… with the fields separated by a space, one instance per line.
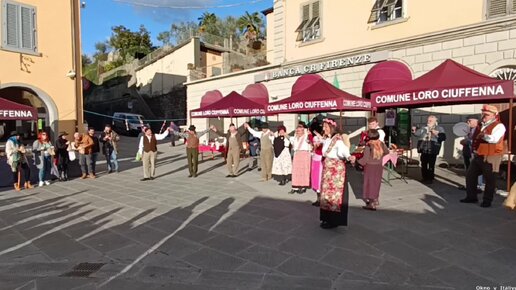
x=450 y=83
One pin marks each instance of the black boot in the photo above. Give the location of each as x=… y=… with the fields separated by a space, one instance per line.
x=61 y=174
x=317 y=202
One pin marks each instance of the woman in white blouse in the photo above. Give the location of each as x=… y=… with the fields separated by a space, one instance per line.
x=333 y=201
x=301 y=144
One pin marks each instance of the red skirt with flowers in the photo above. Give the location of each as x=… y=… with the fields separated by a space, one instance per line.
x=333 y=201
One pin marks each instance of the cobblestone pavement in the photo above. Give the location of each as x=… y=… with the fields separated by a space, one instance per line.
x=215 y=233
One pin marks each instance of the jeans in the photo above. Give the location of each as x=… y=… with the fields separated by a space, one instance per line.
x=86 y=164
x=45 y=168
x=94 y=158
x=112 y=162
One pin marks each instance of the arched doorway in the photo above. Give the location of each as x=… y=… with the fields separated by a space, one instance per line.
x=27 y=95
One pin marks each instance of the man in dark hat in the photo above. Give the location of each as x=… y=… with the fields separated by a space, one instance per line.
x=234 y=146
x=467 y=143
x=266 y=149
x=192 y=147
x=148 y=149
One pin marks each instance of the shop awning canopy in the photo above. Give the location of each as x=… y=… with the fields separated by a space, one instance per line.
x=448 y=83
x=211 y=97
x=386 y=75
x=321 y=96
x=257 y=93
x=232 y=105
x=13 y=111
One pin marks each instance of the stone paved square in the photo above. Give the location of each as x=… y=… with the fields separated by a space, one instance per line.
x=215 y=233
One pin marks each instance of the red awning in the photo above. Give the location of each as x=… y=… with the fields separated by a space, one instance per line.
x=386 y=75
x=321 y=96
x=14 y=111
x=303 y=82
x=449 y=83
x=232 y=105
x=257 y=93
x=211 y=97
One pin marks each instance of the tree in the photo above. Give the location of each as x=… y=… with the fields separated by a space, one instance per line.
x=130 y=44
x=86 y=60
x=101 y=51
x=183 y=31
x=254 y=19
x=164 y=37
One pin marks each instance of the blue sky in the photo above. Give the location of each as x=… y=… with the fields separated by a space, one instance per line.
x=100 y=15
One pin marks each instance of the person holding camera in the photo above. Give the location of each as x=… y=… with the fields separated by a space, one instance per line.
x=430 y=137
x=109 y=139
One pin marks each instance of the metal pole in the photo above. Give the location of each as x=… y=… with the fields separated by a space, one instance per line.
x=340 y=122
x=509 y=161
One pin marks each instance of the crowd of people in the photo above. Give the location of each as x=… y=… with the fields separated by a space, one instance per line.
x=316 y=157
x=54 y=160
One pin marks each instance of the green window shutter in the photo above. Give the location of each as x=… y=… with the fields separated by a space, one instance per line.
x=27 y=28
x=378 y=5
x=306 y=12
x=497 y=8
x=315 y=10
x=11 y=25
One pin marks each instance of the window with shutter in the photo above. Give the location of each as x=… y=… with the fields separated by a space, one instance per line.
x=18 y=27
x=386 y=10
x=497 y=8
x=310 y=27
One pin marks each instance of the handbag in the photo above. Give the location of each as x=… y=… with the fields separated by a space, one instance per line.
x=54 y=170
x=138 y=156
x=510 y=201
x=71 y=155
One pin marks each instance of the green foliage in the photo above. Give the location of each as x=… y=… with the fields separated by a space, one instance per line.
x=253 y=19
x=164 y=37
x=182 y=31
x=101 y=51
x=86 y=60
x=130 y=43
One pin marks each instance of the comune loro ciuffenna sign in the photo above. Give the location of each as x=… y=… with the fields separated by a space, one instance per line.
x=442 y=95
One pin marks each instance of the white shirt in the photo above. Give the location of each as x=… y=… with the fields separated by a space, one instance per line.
x=381 y=132
x=497 y=133
x=340 y=150
x=158 y=138
x=259 y=134
x=301 y=144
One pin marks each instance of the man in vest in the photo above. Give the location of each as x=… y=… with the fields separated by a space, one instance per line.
x=148 y=148
x=372 y=123
x=234 y=145
x=487 y=156
x=192 y=147
x=266 y=149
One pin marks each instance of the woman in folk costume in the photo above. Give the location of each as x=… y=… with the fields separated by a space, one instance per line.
x=301 y=144
x=282 y=163
x=17 y=160
x=62 y=145
x=333 y=201
x=374 y=152
x=43 y=152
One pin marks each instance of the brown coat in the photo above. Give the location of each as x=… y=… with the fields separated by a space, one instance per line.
x=240 y=136
x=86 y=142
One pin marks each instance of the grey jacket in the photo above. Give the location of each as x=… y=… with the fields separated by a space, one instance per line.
x=38 y=150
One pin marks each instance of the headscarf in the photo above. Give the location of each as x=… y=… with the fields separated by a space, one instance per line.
x=14 y=140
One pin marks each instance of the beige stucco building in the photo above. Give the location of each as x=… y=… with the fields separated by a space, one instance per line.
x=40 y=57
x=308 y=36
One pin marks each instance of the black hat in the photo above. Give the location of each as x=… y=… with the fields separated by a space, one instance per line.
x=63 y=133
x=14 y=133
x=191 y=128
x=264 y=125
x=476 y=117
